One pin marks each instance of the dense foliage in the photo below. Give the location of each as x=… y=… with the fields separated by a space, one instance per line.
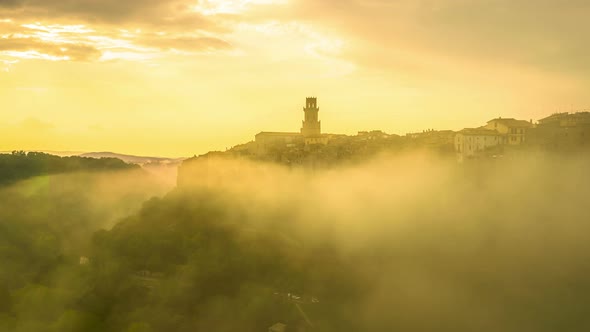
x=21 y=165
x=400 y=245
x=184 y=263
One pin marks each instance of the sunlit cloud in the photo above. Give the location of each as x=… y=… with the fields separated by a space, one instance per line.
x=187 y=44
x=295 y=42
x=440 y=58
x=34 y=55
x=56 y=29
x=126 y=55
x=53 y=50
x=215 y=7
x=57 y=42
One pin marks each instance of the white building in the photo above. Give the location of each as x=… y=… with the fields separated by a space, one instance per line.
x=470 y=142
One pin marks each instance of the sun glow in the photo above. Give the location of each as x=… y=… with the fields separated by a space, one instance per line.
x=57 y=28
x=215 y=7
x=34 y=55
x=193 y=72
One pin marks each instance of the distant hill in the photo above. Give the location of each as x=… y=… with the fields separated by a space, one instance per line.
x=51 y=152
x=20 y=165
x=139 y=160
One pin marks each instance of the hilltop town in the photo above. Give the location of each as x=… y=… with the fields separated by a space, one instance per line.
x=500 y=137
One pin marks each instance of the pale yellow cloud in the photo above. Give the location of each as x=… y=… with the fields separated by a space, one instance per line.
x=28 y=48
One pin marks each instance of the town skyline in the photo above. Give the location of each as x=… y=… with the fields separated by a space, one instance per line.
x=66 y=150
x=176 y=77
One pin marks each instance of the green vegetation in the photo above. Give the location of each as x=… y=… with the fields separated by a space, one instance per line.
x=21 y=165
x=182 y=263
x=402 y=244
x=47 y=223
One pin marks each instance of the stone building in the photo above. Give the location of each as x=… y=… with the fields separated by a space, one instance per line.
x=562 y=131
x=266 y=141
x=494 y=138
x=310 y=133
x=511 y=131
x=473 y=142
x=433 y=137
x=311 y=126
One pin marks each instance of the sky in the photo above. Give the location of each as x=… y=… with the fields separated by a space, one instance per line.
x=182 y=77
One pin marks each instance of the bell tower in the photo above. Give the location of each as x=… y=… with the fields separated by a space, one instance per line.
x=311 y=124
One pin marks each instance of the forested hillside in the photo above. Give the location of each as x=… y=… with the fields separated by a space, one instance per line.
x=21 y=165
x=352 y=249
x=46 y=226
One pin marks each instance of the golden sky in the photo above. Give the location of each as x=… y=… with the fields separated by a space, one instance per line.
x=181 y=77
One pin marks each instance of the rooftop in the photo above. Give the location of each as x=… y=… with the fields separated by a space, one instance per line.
x=511 y=122
x=556 y=116
x=277 y=133
x=479 y=132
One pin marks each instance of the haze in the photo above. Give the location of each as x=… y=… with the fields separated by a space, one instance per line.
x=410 y=241
x=294 y=165
x=182 y=77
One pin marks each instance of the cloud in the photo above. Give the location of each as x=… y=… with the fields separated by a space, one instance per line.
x=58 y=51
x=89 y=30
x=138 y=12
x=547 y=35
x=59 y=42
x=11 y=3
x=544 y=34
x=197 y=44
x=402 y=38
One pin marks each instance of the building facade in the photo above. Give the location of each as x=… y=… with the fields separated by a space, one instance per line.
x=311 y=126
x=473 y=142
x=310 y=134
x=487 y=140
x=511 y=131
x=266 y=141
x=562 y=131
x=433 y=137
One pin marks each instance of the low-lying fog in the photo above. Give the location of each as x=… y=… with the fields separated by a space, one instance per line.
x=497 y=245
x=409 y=242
